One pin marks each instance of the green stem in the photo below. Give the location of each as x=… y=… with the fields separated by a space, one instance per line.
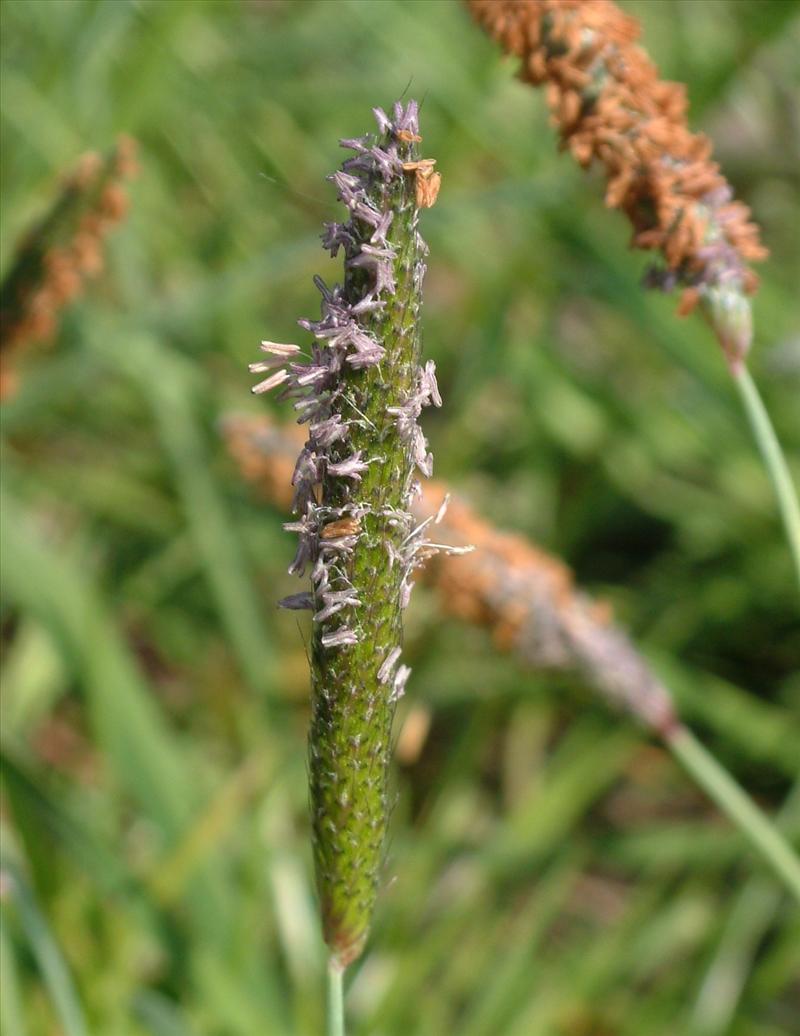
x=753 y=914
x=335 y=998
x=773 y=457
x=740 y=808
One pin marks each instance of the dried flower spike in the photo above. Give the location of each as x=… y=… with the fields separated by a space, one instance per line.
x=610 y=106
x=360 y=391
x=65 y=248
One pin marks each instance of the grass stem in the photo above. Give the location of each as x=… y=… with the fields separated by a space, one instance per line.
x=335 y=999
x=741 y=809
x=753 y=914
x=774 y=459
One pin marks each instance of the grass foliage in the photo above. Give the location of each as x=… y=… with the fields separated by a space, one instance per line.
x=554 y=873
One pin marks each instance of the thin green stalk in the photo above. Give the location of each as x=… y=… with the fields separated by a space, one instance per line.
x=740 y=808
x=335 y=998
x=46 y=951
x=773 y=457
x=754 y=913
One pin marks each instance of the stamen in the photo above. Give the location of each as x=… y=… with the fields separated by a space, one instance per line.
x=277 y=378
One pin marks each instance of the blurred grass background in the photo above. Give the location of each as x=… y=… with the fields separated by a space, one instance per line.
x=552 y=872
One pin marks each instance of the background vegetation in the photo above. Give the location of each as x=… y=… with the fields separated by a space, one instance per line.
x=553 y=872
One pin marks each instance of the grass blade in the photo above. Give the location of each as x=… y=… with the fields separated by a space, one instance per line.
x=45 y=950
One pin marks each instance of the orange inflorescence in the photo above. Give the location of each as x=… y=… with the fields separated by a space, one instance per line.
x=524 y=596
x=61 y=252
x=469 y=587
x=609 y=105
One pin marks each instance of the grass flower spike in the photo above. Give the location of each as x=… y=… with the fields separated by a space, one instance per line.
x=62 y=251
x=360 y=391
x=610 y=106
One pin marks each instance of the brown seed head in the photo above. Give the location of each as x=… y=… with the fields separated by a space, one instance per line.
x=57 y=254
x=609 y=105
